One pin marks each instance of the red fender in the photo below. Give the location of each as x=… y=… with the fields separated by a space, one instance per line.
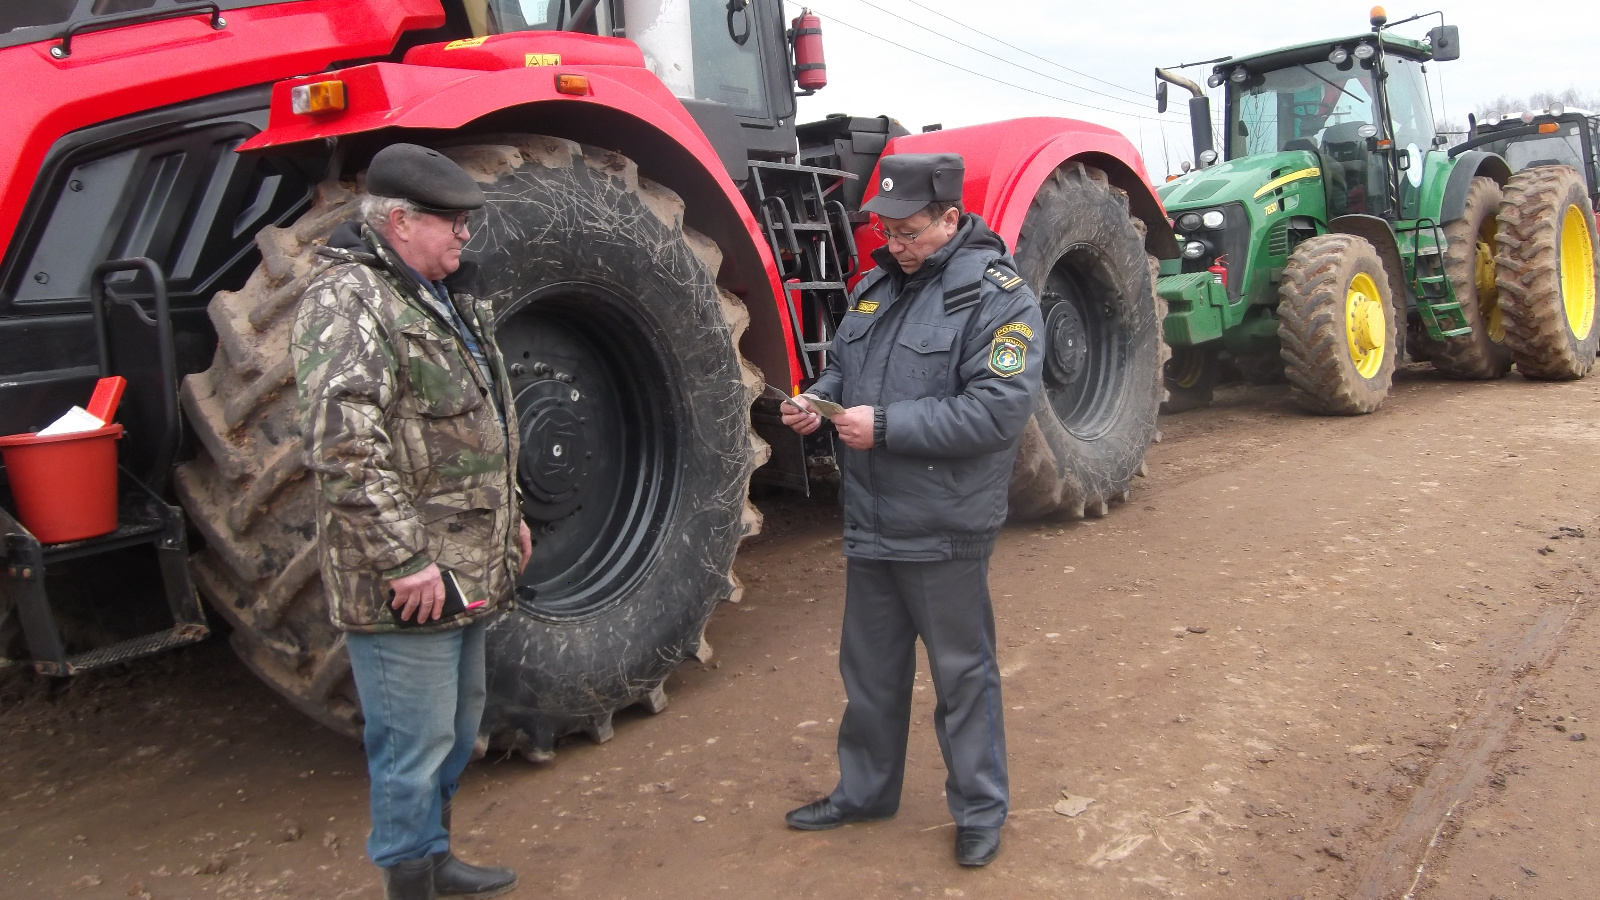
x=509 y=83
x=1008 y=161
x=140 y=67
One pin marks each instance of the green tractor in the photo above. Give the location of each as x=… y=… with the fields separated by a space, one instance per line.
x=1334 y=234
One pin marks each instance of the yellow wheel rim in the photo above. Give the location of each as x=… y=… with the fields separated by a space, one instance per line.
x=1188 y=369
x=1577 y=272
x=1366 y=327
x=1488 y=291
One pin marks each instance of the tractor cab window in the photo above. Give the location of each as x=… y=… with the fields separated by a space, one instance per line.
x=1411 y=119
x=1564 y=148
x=1318 y=107
x=726 y=70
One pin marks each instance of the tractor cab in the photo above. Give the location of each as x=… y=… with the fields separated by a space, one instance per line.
x=1555 y=136
x=1362 y=115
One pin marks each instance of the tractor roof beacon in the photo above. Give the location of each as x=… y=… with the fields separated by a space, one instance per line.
x=662 y=239
x=1330 y=163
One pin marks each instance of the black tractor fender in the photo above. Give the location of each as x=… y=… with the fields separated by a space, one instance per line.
x=1468 y=166
x=1380 y=234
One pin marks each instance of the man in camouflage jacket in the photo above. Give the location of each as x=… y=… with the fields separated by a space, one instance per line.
x=409 y=427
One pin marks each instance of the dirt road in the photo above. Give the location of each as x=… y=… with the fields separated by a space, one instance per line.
x=1312 y=658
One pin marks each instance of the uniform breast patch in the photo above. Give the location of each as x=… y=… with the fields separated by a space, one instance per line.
x=867 y=306
x=1008 y=355
x=1005 y=278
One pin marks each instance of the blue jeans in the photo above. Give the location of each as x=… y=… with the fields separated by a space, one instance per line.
x=422 y=696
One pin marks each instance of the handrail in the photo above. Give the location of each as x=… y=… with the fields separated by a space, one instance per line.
x=158 y=14
x=156 y=480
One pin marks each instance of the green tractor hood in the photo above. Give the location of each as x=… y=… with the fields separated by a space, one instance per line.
x=1237 y=180
x=1241 y=213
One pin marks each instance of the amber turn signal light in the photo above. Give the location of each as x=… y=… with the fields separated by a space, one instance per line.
x=317 y=97
x=572 y=84
x=1549 y=128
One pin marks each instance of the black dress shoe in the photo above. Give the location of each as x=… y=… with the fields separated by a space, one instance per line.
x=454 y=878
x=976 y=845
x=822 y=815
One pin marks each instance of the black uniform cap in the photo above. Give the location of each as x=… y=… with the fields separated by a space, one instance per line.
x=426 y=177
x=910 y=181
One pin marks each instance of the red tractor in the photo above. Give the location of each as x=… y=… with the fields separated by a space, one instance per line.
x=664 y=243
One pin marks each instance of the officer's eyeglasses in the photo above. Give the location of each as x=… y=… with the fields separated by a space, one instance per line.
x=904 y=237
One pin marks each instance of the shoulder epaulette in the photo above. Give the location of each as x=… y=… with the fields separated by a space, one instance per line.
x=1006 y=279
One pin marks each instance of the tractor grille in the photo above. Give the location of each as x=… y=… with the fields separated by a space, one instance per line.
x=1278 y=239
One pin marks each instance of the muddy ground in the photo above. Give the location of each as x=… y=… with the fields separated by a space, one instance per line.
x=1311 y=658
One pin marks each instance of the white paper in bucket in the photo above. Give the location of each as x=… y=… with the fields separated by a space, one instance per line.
x=75 y=420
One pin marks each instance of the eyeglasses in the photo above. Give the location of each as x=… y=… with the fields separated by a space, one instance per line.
x=458 y=219
x=902 y=237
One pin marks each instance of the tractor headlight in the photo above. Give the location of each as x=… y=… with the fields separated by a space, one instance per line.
x=1194 y=249
x=1189 y=222
x=1556 y=109
x=1208 y=157
x=1238 y=75
x=1365 y=51
x=1338 y=56
x=1216 y=79
x=1212 y=219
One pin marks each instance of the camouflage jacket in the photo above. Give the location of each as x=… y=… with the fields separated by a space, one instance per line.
x=411 y=461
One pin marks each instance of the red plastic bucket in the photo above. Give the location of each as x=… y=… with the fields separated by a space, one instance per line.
x=65 y=485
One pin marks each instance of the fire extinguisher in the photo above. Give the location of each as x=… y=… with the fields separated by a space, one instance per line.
x=810 y=72
x=1219 y=271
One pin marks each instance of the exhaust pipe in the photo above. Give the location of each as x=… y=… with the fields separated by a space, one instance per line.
x=1199 y=113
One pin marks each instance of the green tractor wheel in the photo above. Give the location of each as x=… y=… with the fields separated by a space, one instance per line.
x=1469 y=263
x=1546 y=273
x=1190 y=376
x=1336 y=326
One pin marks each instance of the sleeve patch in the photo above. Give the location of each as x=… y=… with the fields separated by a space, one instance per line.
x=1005 y=278
x=1008 y=355
x=1014 y=328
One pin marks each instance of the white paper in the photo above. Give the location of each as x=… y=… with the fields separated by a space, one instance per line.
x=75 y=420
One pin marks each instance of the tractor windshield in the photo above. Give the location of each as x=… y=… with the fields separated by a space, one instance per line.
x=1316 y=106
x=1564 y=148
x=706 y=55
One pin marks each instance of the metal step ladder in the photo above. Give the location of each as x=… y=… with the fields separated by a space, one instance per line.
x=811 y=237
x=1436 y=297
x=142 y=516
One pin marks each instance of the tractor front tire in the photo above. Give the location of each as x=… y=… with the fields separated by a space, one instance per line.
x=1083 y=253
x=1546 y=273
x=1469 y=264
x=634 y=418
x=1336 y=326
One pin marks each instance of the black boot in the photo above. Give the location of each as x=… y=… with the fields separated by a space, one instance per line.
x=409 y=880
x=454 y=878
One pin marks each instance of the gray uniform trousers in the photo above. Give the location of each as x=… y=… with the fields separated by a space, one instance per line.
x=887 y=606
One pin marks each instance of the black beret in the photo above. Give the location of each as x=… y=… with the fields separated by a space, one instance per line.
x=909 y=181
x=426 y=177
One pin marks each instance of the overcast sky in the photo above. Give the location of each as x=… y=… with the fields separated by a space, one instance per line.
x=1507 y=49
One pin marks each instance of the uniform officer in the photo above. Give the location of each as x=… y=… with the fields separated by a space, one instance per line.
x=408 y=424
x=937 y=362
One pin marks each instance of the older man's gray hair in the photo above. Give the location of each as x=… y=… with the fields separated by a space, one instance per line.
x=375 y=211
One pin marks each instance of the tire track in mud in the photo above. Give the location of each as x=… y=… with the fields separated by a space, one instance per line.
x=1399 y=868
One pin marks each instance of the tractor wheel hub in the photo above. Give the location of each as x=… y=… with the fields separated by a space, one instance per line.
x=555 y=448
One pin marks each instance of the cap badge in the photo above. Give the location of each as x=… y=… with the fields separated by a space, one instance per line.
x=888 y=184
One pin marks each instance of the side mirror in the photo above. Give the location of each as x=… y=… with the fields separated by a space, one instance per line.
x=1446 y=43
x=1161 y=97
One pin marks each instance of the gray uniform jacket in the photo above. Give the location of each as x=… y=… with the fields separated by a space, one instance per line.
x=951 y=356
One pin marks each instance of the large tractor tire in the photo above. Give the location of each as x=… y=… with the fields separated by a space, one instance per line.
x=1336 y=326
x=1190 y=378
x=1547 y=266
x=634 y=410
x=1470 y=266
x=1094 y=420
